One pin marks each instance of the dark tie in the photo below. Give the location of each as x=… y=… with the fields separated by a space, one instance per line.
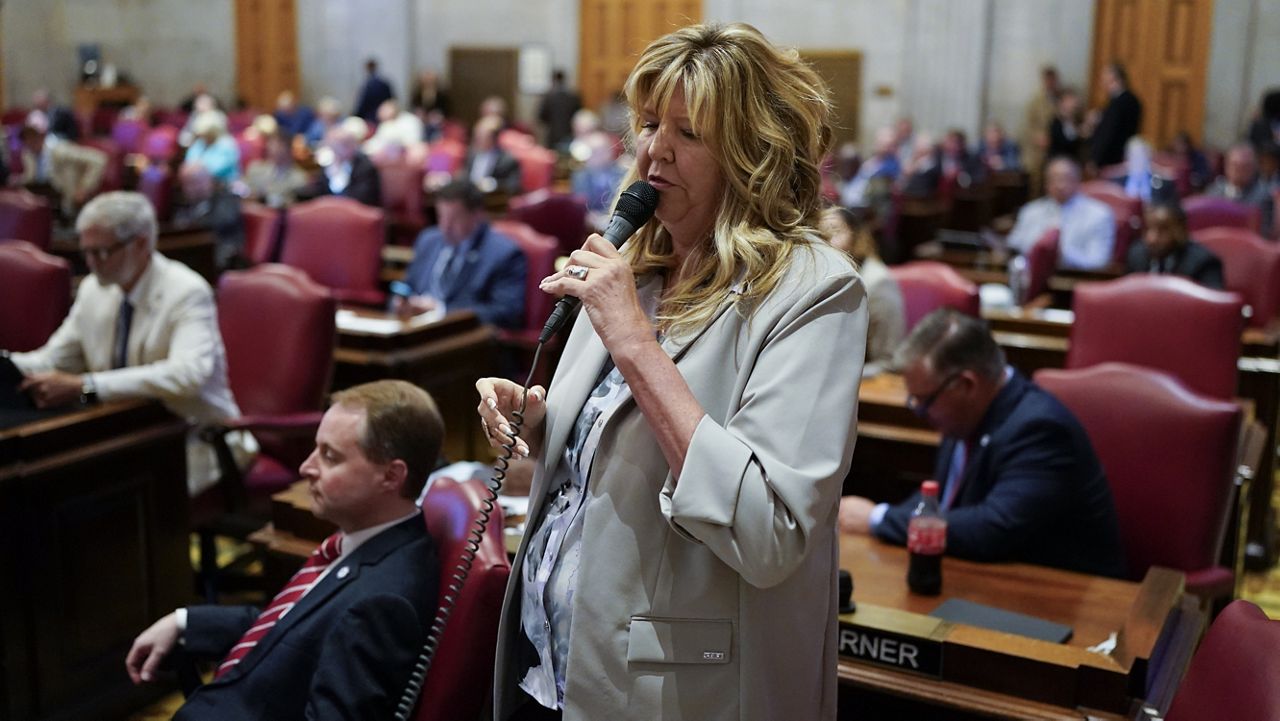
x=120 y=353
x=289 y=596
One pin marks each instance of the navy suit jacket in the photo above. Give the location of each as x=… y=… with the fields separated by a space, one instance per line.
x=489 y=279
x=1121 y=119
x=345 y=651
x=373 y=93
x=1194 y=261
x=1033 y=490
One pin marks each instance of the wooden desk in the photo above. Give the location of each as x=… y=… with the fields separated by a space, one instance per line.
x=445 y=357
x=93 y=549
x=1010 y=676
x=88 y=98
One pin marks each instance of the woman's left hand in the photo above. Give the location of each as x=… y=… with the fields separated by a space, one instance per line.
x=607 y=292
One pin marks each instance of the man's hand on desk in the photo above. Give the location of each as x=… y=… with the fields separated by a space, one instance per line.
x=51 y=389
x=406 y=308
x=150 y=648
x=855 y=514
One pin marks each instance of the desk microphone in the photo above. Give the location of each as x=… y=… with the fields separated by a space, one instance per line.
x=635 y=207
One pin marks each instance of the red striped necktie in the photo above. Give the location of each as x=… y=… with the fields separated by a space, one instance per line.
x=294 y=590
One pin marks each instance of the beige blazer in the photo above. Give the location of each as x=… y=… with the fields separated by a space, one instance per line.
x=175 y=354
x=713 y=598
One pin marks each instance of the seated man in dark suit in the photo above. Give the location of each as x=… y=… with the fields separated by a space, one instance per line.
x=1167 y=247
x=340 y=640
x=487 y=165
x=464 y=264
x=1019 y=478
x=349 y=172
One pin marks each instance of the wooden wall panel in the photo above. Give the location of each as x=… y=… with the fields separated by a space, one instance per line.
x=266 y=51
x=614 y=32
x=1164 y=45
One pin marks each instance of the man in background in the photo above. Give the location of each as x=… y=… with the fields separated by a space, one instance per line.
x=1087 y=227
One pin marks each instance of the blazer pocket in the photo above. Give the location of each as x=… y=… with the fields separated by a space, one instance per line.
x=679 y=640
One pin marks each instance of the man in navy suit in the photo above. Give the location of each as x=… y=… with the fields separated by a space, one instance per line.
x=373 y=93
x=340 y=639
x=1019 y=478
x=464 y=264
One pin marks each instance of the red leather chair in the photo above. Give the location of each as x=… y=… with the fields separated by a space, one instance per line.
x=161 y=144
x=338 y=242
x=1163 y=322
x=252 y=147
x=14 y=116
x=239 y=120
x=402 y=199
x=113 y=174
x=129 y=134
x=928 y=285
x=1128 y=213
x=537 y=165
x=173 y=117
x=446 y=156
x=1169 y=454
x=562 y=216
x=1205 y=211
x=26 y=216
x=540 y=252
x=1251 y=266
x=1042 y=260
x=36 y=293
x=262 y=228
x=260 y=311
x=1233 y=674
x=156 y=183
x=461 y=676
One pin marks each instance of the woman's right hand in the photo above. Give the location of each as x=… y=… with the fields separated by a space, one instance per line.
x=499 y=399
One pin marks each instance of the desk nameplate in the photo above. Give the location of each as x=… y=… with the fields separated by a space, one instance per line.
x=897 y=639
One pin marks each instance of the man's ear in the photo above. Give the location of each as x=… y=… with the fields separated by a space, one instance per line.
x=394 y=476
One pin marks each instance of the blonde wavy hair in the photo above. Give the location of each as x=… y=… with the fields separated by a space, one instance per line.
x=765 y=116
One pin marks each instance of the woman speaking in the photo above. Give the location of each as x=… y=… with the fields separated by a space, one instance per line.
x=680 y=558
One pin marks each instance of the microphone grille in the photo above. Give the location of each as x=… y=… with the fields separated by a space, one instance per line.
x=637 y=203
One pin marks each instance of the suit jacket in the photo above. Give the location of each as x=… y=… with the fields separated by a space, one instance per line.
x=1121 y=120
x=714 y=598
x=1032 y=490
x=1194 y=261
x=175 y=353
x=505 y=171
x=373 y=93
x=1257 y=195
x=365 y=184
x=345 y=651
x=489 y=279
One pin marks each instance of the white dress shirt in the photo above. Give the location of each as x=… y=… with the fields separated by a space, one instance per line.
x=1087 y=230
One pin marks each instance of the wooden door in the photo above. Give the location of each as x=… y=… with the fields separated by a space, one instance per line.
x=266 y=51
x=477 y=73
x=613 y=34
x=842 y=69
x=1164 y=46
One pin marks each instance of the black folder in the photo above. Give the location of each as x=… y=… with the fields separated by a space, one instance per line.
x=959 y=610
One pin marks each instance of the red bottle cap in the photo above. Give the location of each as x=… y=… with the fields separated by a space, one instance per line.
x=929 y=488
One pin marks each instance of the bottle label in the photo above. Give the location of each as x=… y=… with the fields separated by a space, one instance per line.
x=927 y=538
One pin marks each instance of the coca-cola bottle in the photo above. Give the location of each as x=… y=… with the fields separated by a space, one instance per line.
x=927 y=541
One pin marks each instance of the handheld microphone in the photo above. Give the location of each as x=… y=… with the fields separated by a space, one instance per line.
x=635 y=207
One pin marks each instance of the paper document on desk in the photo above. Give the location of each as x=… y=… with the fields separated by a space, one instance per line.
x=352 y=322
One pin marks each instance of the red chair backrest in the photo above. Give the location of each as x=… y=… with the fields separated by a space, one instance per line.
x=173 y=117
x=1233 y=674
x=113 y=174
x=1163 y=322
x=537 y=166
x=540 y=252
x=270 y=315
x=338 y=242
x=402 y=191
x=1251 y=267
x=1204 y=211
x=26 y=216
x=1042 y=260
x=562 y=216
x=36 y=293
x=928 y=285
x=445 y=156
x=161 y=144
x=156 y=183
x=128 y=134
x=461 y=676
x=1127 y=211
x=239 y=120
x=14 y=116
x=252 y=147
x=262 y=227
x=1168 y=454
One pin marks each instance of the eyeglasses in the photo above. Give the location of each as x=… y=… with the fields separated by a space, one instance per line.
x=104 y=253
x=920 y=406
